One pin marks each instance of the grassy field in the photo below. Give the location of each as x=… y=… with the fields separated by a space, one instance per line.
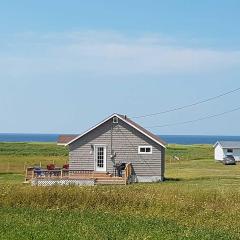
x=199 y=200
x=14 y=157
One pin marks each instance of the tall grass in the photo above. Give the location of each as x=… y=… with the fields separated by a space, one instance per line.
x=187 y=205
x=34 y=224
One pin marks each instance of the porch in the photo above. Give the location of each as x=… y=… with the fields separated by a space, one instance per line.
x=60 y=176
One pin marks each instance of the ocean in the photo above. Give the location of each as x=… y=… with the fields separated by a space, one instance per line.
x=28 y=137
x=197 y=139
x=178 y=139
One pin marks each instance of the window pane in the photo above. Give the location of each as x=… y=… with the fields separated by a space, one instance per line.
x=100 y=157
x=148 y=149
x=142 y=149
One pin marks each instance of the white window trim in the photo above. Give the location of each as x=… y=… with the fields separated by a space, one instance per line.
x=139 y=152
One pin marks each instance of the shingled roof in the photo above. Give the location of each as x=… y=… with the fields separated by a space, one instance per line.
x=228 y=144
x=129 y=122
x=145 y=131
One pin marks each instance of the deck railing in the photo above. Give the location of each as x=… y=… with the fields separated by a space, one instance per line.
x=32 y=173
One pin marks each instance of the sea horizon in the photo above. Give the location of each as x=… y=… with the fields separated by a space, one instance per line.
x=168 y=138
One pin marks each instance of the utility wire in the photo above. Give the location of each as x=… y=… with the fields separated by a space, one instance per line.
x=188 y=105
x=197 y=120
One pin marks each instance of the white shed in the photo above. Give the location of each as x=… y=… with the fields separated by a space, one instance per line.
x=223 y=149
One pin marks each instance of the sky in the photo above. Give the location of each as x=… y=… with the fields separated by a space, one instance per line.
x=67 y=65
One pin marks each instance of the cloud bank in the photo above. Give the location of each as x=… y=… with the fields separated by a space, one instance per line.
x=108 y=53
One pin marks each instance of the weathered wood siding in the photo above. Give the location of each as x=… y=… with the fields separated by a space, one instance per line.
x=125 y=142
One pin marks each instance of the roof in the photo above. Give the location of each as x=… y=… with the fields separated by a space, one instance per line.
x=228 y=144
x=144 y=131
x=127 y=120
x=64 y=139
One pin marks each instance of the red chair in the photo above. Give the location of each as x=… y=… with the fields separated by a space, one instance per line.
x=66 y=166
x=50 y=166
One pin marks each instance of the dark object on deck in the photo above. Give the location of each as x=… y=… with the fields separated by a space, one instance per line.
x=119 y=167
x=229 y=160
x=50 y=167
x=38 y=171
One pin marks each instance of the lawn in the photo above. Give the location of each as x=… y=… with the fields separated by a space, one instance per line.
x=199 y=200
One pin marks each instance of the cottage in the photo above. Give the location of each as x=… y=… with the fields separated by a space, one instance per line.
x=118 y=140
x=223 y=149
x=115 y=151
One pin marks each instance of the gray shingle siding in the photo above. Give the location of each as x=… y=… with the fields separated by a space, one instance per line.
x=125 y=142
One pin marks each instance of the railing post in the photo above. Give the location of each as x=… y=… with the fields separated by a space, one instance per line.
x=26 y=174
x=61 y=173
x=126 y=174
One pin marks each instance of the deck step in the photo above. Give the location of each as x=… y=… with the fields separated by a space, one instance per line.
x=95 y=175
x=99 y=181
x=109 y=178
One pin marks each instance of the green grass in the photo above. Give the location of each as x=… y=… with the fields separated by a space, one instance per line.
x=11 y=178
x=200 y=200
x=62 y=224
x=32 y=149
x=169 y=210
x=189 y=152
x=14 y=157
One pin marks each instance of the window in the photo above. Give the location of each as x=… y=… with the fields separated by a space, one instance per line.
x=115 y=120
x=145 y=150
x=230 y=150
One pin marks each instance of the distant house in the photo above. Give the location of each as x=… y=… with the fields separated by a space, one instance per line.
x=117 y=140
x=223 y=149
x=64 y=139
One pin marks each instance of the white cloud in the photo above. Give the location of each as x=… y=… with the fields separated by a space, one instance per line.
x=109 y=53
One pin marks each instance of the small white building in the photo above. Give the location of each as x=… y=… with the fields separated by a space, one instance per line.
x=223 y=149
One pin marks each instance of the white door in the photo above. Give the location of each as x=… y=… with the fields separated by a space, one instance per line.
x=100 y=156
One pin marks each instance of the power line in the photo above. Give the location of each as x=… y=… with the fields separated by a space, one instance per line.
x=197 y=120
x=188 y=105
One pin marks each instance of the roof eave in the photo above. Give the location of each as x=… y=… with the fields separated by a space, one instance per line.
x=89 y=130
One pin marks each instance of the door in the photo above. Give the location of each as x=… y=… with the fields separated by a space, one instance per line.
x=100 y=158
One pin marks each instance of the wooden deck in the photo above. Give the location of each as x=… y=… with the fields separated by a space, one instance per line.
x=98 y=178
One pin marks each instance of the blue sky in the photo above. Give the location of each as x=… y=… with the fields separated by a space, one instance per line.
x=66 y=65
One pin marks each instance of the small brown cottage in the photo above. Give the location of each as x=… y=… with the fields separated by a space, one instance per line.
x=116 y=141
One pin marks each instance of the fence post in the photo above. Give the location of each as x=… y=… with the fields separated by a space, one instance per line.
x=33 y=175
